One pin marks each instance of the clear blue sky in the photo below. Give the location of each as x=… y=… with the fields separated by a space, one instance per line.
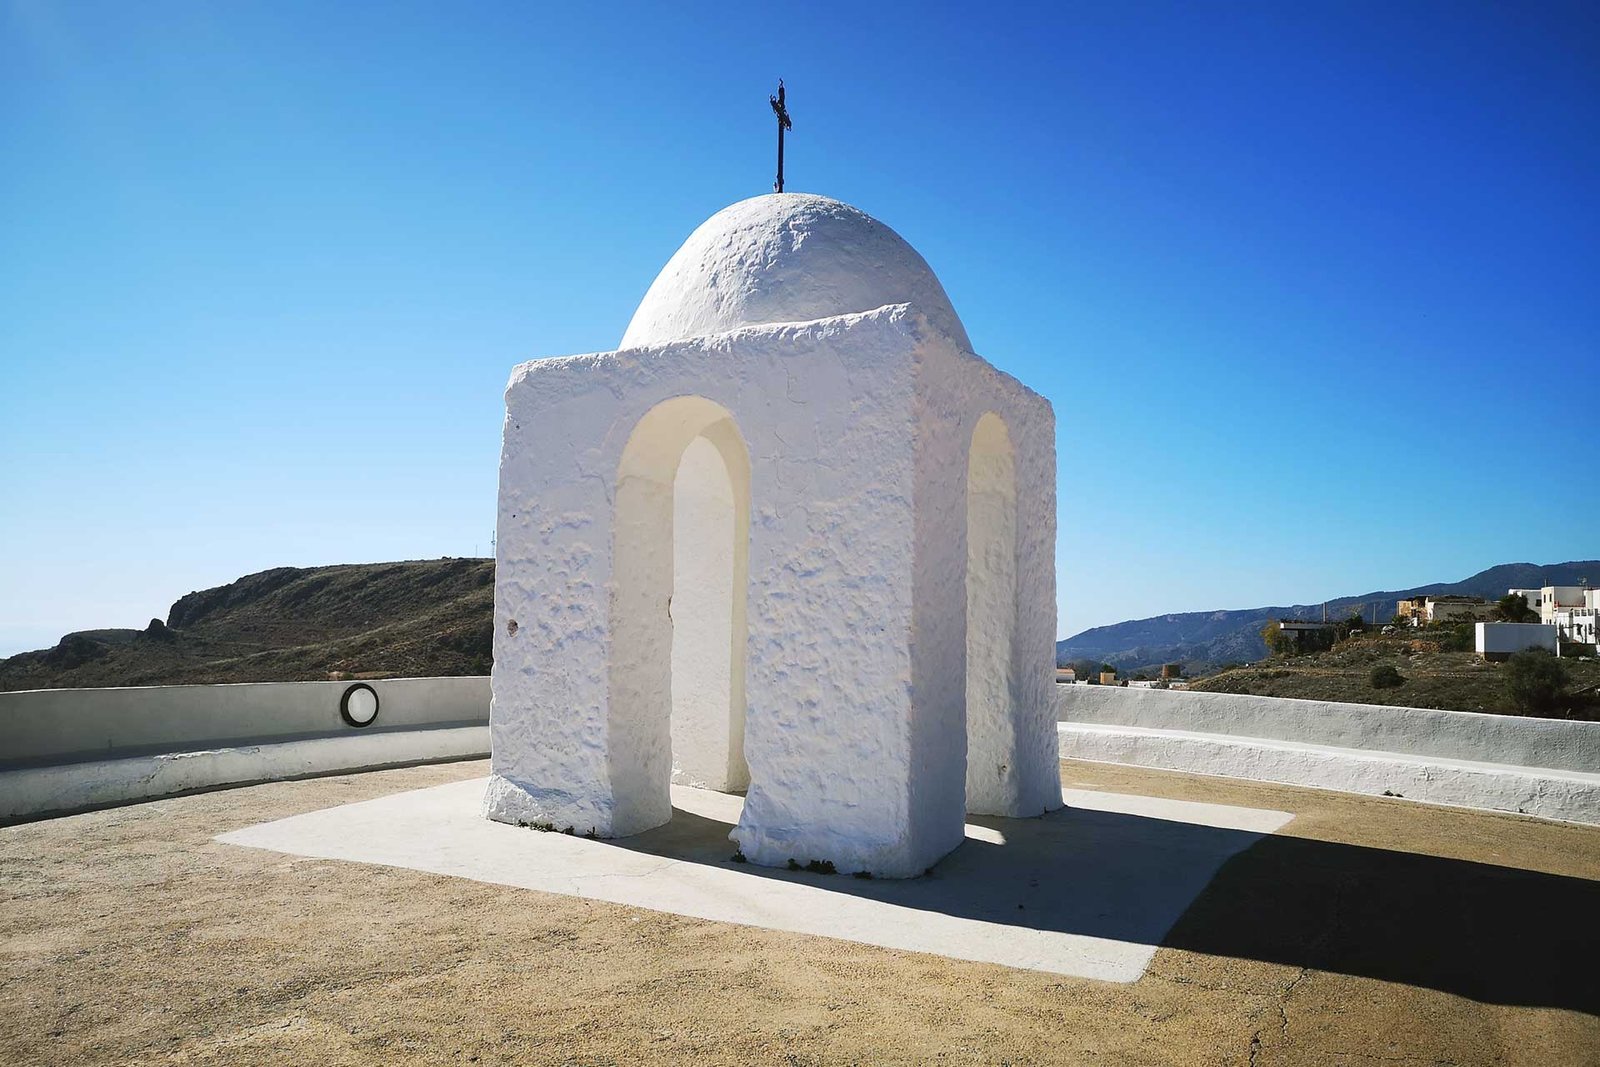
x=1315 y=288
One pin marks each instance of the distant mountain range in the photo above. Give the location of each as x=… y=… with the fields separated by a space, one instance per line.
x=434 y=617
x=1202 y=640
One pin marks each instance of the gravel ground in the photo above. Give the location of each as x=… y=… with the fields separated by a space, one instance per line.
x=1367 y=930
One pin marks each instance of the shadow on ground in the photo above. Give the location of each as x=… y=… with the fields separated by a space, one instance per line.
x=1494 y=934
x=1497 y=935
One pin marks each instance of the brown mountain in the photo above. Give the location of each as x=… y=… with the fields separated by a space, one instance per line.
x=415 y=618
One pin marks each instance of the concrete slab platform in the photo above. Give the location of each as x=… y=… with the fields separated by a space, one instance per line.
x=1089 y=891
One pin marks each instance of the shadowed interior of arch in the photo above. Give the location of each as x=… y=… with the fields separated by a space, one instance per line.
x=681 y=548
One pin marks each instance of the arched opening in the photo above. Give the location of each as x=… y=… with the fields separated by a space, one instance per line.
x=991 y=616
x=680 y=571
x=710 y=541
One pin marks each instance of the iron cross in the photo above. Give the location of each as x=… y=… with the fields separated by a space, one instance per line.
x=782 y=112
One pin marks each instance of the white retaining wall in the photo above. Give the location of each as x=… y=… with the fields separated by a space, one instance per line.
x=64 y=749
x=1546 y=767
x=1460 y=735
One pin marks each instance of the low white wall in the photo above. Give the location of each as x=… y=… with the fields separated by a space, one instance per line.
x=32 y=791
x=44 y=726
x=1459 y=735
x=1567 y=795
x=1497 y=638
x=67 y=749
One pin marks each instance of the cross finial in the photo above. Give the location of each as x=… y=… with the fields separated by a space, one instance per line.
x=779 y=109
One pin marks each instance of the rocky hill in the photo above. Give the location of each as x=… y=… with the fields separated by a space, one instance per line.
x=425 y=617
x=434 y=617
x=1204 y=640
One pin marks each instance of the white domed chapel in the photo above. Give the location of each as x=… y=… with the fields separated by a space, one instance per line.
x=793 y=538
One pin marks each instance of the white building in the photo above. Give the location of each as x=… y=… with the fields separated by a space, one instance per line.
x=1571 y=611
x=1499 y=640
x=794 y=537
x=1557 y=598
x=1578 y=622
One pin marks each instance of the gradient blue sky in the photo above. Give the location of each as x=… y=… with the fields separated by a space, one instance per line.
x=1313 y=287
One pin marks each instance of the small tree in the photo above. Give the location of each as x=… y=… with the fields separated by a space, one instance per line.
x=1536 y=682
x=1513 y=607
x=1277 y=643
x=1354 y=624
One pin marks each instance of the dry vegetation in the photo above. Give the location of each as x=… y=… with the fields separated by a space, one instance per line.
x=418 y=618
x=1433 y=677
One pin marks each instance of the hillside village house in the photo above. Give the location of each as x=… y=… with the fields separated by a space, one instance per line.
x=1571 y=609
x=1568 y=615
x=1424 y=610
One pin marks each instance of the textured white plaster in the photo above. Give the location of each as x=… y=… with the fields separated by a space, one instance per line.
x=786 y=257
x=856 y=431
x=1560 y=744
x=1016 y=774
x=31 y=791
x=42 y=726
x=1089 y=892
x=991 y=616
x=1571 y=796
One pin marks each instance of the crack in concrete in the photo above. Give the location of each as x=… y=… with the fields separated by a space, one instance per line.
x=1281 y=997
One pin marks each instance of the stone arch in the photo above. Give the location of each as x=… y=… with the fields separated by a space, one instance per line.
x=991 y=683
x=678 y=656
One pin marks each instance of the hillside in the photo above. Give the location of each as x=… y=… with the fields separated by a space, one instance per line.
x=433 y=617
x=1434 y=676
x=1205 y=640
x=427 y=617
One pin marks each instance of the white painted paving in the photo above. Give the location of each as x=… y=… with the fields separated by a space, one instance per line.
x=1088 y=891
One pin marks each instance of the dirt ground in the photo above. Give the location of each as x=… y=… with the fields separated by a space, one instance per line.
x=1366 y=931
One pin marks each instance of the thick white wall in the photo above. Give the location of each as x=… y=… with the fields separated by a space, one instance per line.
x=43 y=726
x=64 y=749
x=826 y=412
x=859 y=431
x=1497 y=638
x=1544 y=767
x=1455 y=735
x=1013 y=770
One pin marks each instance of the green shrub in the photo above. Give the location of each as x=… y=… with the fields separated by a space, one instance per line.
x=1384 y=676
x=1462 y=637
x=1513 y=607
x=1536 y=682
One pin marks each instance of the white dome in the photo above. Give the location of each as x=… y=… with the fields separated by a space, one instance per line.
x=786 y=257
